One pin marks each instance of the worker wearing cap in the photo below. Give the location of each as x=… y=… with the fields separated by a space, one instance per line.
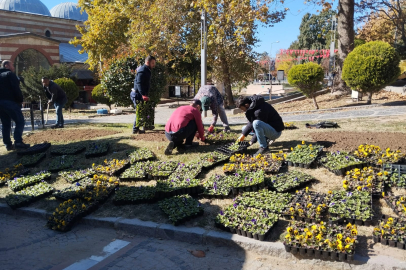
x=212 y=100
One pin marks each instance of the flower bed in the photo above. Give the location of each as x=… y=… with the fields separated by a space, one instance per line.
x=35 y=149
x=217 y=186
x=181 y=208
x=61 y=163
x=68 y=150
x=141 y=155
x=161 y=169
x=112 y=167
x=289 y=125
x=303 y=155
x=321 y=241
x=28 y=195
x=96 y=149
x=32 y=161
x=233 y=148
x=397 y=175
x=74 y=176
x=307 y=206
x=136 y=172
x=391 y=231
x=264 y=199
x=134 y=195
x=187 y=171
x=366 y=179
x=22 y=182
x=288 y=181
x=354 y=207
x=212 y=159
x=340 y=162
x=172 y=187
x=267 y=163
x=397 y=203
x=11 y=173
x=220 y=138
x=374 y=155
x=246 y=221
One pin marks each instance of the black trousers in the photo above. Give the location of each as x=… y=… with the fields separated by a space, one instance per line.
x=188 y=132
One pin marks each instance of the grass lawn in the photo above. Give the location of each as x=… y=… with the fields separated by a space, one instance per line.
x=381 y=131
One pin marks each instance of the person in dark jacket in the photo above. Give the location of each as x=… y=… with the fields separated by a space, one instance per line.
x=56 y=95
x=263 y=119
x=142 y=84
x=10 y=107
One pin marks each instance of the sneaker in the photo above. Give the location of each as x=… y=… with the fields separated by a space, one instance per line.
x=227 y=129
x=21 y=146
x=135 y=131
x=261 y=151
x=10 y=147
x=60 y=126
x=55 y=126
x=269 y=142
x=169 y=148
x=141 y=131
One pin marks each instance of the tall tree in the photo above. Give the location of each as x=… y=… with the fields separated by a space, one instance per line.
x=377 y=27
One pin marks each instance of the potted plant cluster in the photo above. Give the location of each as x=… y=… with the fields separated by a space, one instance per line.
x=288 y=181
x=112 y=167
x=374 y=155
x=354 y=207
x=220 y=137
x=321 y=241
x=67 y=150
x=397 y=175
x=246 y=221
x=391 y=231
x=137 y=172
x=233 y=148
x=217 y=186
x=187 y=171
x=303 y=155
x=397 y=203
x=32 y=160
x=181 y=208
x=141 y=155
x=159 y=170
x=29 y=194
x=307 y=206
x=96 y=149
x=11 y=173
x=264 y=199
x=340 y=162
x=35 y=149
x=289 y=125
x=134 y=195
x=177 y=186
x=20 y=183
x=212 y=159
x=61 y=163
x=267 y=163
x=74 y=176
x=365 y=179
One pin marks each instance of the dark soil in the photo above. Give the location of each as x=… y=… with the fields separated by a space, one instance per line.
x=67 y=135
x=156 y=136
x=343 y=140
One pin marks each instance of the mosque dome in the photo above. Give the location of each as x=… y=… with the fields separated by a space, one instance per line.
x=68 y=10
x=28 y=6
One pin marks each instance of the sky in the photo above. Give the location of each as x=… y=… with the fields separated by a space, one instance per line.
x=285 y=32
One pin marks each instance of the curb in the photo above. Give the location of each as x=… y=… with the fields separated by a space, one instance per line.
x=199 y=235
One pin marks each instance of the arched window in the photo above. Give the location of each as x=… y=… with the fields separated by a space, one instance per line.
x=30 y=58
x=48 y=33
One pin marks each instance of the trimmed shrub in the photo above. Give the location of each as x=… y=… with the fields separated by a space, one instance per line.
x=70 y=88
x=307 y=78
x=371 y=67
x=99 y=94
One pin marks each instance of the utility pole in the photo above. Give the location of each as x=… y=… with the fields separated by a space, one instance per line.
x=203 y=47
x=332 y=62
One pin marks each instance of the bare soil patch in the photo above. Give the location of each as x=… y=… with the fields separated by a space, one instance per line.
x=344 y=140
x=67 y=135
x=157 y=136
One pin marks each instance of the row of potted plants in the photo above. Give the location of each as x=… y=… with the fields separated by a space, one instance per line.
x=161 y=169
x=137 y=172
x=376 y=156
x=321 y=241
x=264 y=199
x=220 y=137
x=134 y=195
x=29 y=194
x=181 y=208
x=267 y=163
x=212 y=159
x=391 y=231
x=61 y=163
x=288 y=181
x=354 y=207
x=397 y=203
x=397 y=175
x=112 y=167
x=141 y=155
x=96 y=149
x=32 y=160
x=233 y=148
x=177 y=186
x=11 y=173
x=67 y=150
x=74 y=176
x=35 y=149
x=20 y=183
x=187 y=171
x=303 y=155
x=365 y=179
x=340 y=162
x=246 y=221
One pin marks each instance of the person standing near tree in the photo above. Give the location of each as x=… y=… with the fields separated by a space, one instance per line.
x=211 y=99
x=11 y=98
x=142 y=84
x=56 y=95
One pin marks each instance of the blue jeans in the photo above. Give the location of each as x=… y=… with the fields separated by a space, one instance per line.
x=188 y=132
x=134 y=97
x=11 y=110
x=264 y=131
x=59 y=116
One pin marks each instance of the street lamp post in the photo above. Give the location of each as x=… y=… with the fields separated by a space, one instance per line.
x=270 y=79
x=203 y=47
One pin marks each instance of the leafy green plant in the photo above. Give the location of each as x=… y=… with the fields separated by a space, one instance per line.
x=370 y=67
x=130 y=195
x=99 y=94
x=340 y=160
x=31 y=160
x=287 y=181
x=353 y=205
x=28 y=194
x=141 y=154
x=304 y=154
x=264 y=199
x=25 y=181
x=61 y=163
x=74 y=176
x=70 y=89
x=180 y=208
x=307 y=204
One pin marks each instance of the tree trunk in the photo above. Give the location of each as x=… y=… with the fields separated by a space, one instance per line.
x=315 y=102
x=369 y=100
x=345 y=30
x=226 y=80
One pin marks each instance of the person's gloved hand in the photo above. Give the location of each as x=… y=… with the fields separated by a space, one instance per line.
x=145 y=98
x=241 y=138
x=211 y=129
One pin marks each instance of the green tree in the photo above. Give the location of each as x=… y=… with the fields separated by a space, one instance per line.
x=100 y=95
x=308 y=78
x=370 y=67
x=70 y=88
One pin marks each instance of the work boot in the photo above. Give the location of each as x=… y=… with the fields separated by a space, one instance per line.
x=22 y=146
x=227 y=129
x=262 y=151
x=55 y=126
x=169 y=148
x=135 y=131
x=10 y=147
x=141 y=130
x=60 y=126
